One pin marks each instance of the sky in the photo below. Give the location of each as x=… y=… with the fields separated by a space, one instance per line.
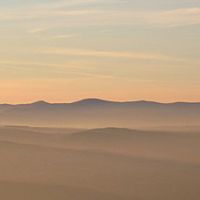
x=66 y=50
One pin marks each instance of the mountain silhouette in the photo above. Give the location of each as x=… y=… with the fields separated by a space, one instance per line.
x=93 y=113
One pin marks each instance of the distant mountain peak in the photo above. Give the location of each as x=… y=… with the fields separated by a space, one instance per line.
x=41 y=102
x=92 y=101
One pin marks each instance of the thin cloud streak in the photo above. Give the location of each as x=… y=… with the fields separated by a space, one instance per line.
x=122 y=55
x=38 y=30
x=74 y=68
x=64 y=36
x=111 y=54
x=177 y=17
x=78 y=15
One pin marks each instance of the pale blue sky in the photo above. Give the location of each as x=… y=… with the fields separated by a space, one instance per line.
x=118 y=49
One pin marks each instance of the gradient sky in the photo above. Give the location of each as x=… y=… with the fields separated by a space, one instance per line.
x=64 y=50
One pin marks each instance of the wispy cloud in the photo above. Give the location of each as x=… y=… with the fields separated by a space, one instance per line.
x=111 y=54
x=38 y=30
x=91 y=15
x=177 y=17
x=63 y=36
x=50 y=35
x=137 y=56
x=70 y=70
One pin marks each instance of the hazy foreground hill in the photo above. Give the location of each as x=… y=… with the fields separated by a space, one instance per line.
x=99 y=113
x=98 y=164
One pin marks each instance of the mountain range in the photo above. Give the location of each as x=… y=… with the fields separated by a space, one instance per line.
x=92 y=113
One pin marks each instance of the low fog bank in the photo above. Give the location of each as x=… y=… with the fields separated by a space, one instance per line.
x=103 y=163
